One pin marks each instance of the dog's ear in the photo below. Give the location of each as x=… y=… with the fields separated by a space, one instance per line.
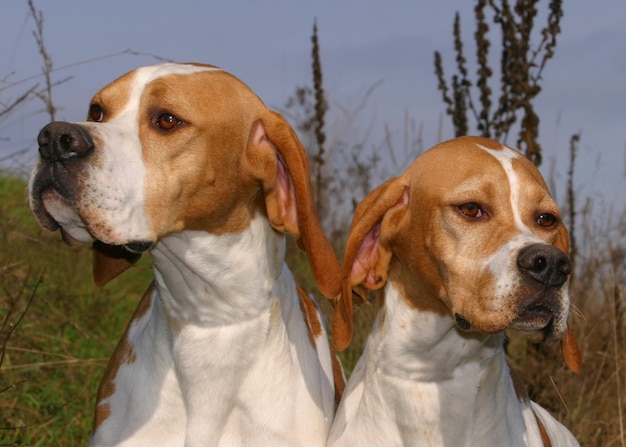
x=110 y=261
x=276 y=157
x=569 y=346
x=368 y=251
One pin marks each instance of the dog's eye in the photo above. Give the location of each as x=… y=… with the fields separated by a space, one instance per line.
x=167 y=121
x=96 y=113
x=547 y=220
x=471 y=209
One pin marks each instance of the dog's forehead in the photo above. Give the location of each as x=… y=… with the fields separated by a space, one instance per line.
x=459 y=162
x=473 y=161
x=128 y=88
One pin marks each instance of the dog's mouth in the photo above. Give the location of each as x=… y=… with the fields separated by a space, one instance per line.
x=536 y=322
x=55 y=212
x=539 y=320
x=535 y=317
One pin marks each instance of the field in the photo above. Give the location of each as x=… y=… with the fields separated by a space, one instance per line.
x=57 y=331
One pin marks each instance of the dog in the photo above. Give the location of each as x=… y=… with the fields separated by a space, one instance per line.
x=464 y=245
x=185 y=162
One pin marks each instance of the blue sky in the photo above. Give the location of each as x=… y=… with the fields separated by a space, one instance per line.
x=364 y=43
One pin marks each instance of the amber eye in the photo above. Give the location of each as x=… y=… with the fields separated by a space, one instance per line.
x=96 y=113
x=471 y=209
x=546 y=220
x=167 y=121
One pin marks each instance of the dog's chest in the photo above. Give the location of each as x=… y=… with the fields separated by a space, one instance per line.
x=224 y=347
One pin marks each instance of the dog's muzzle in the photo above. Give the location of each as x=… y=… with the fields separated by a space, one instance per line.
x=62 y=148
x=545 y=269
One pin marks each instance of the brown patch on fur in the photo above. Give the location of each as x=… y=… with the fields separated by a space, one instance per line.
x=314 y=330
x=124 y=354
x=222 y=165
x=103 y=411
x=338 y=377
x=116 y=93
x=311 y=316
x=545 y=439
x=196 y=168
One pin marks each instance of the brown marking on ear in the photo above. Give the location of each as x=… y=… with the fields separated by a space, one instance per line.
x=276 y=157
x=570 y=351
x=109 y=261
x=545 y=439
x=124 y=354
x=311 y=316
x=367 y=257
x=569 y=346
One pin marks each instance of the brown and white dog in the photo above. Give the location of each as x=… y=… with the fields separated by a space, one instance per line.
x=185 y=161
x=466 y=244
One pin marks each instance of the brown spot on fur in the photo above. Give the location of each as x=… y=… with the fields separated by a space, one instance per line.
x=544 y=434
x=311 y=316
x=196 y=168
x=116 y=93
x=338 y=378
x=522 y=395
x=123 y=354
x=314 y=330
x=103 y=411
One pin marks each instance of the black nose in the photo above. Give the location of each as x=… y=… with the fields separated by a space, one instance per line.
x=545 y=264
x=61 y=141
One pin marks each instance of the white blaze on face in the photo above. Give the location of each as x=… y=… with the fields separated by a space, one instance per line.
x=506 y=156
x=503 y=263
x=113 y=200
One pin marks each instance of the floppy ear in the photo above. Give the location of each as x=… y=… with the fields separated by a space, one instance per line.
x=569 y=347
x=368 y=252
x=110 y=261
x=276 y=157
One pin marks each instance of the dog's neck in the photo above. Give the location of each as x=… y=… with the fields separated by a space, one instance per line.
x=213 y=280
x=424 y=346
x=421 y=361
x=224 y=312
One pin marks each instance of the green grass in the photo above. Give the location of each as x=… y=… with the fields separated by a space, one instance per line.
x=58 y=329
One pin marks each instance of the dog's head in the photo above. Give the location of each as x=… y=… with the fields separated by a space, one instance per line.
x=175 y=147
x=469 y=231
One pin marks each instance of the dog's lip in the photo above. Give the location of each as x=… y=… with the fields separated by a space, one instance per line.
x=536 y=322
x=537 y=316
x=44 y=195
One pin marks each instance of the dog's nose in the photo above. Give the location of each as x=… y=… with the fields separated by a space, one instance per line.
x=60 y=141
x=545 y=264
